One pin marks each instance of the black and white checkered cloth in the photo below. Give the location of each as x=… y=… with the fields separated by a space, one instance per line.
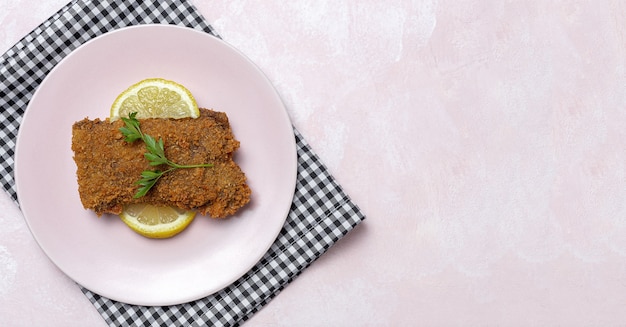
x=321 y=213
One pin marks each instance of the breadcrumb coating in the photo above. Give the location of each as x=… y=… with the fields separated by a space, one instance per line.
x=108 y=166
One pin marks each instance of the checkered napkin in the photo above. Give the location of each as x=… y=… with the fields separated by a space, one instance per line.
x=321 y=213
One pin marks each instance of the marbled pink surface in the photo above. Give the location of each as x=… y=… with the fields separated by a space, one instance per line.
x=484 y=140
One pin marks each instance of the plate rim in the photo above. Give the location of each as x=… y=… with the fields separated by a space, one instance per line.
x=293 y=165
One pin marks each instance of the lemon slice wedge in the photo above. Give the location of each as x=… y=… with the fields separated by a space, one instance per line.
x=155 y=98
x=156 y=222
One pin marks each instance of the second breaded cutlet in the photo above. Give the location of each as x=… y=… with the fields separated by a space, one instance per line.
x=108 y=166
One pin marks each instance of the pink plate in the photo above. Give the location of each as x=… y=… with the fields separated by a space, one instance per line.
x=104 y=255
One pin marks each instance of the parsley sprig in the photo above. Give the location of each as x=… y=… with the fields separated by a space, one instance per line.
x=155 y=155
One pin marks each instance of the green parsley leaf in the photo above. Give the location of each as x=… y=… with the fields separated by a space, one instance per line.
x=155 y=155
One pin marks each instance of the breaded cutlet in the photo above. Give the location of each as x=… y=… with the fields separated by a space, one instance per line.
x=108 y=166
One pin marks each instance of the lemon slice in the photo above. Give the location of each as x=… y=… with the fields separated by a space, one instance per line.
x=155 y=98
x=156 y=222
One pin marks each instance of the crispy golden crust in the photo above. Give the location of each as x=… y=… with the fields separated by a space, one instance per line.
x=108 y=166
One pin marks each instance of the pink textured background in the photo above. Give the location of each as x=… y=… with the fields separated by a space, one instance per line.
x=484 y=140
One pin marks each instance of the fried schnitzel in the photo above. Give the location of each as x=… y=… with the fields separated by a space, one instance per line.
x=108 y=166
